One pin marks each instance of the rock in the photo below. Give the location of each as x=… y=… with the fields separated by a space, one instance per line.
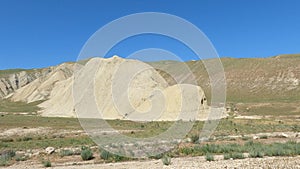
x=50 y=150
x=188 y=140
x=20 y=153
x=283 y=135
x=29 y=155
x=36 y=153
x=255 y=137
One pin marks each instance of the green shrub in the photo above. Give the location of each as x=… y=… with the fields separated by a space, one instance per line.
x=157 y=156
x=4 y=161
x=237 y=156
x=209 y=157
x=195 y=138
x=166 y=160
x=21 y=158
x=105 y=155
x=86 y=154
x=186 y=150
x=66 y=153
x=227 y=156
x=46 y=163
x=210 y=148
x=263 y=137
x=245 y=138
x=118 y=158
x=256 y=154
x=8 y=154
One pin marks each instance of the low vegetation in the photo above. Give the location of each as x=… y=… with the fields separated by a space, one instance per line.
x=209 y=157
x=9 y=106
x=219 y=144
x=235 y=151
x=166 y=160
x=86 y=154
x=46 y=163
x=6 y=156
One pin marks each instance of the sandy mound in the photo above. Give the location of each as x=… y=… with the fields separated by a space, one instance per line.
x=60 y=103
x=114 y=88
x=117 y=88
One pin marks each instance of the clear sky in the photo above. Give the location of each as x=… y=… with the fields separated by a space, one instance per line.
x=40 y=33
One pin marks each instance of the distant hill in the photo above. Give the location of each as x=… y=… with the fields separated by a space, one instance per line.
x=250 y=79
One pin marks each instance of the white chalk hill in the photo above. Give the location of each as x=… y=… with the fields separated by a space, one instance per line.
x=115 y=88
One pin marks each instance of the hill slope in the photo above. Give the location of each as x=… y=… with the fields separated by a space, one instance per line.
x=274 y=79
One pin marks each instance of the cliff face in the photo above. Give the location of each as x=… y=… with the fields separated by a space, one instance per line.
x=40 y=88
x=32 y=85
x=10 y=82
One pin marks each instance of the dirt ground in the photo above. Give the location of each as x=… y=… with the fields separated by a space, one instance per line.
x=185 y=163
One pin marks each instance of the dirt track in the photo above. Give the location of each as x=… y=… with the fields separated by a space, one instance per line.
x=188 y=162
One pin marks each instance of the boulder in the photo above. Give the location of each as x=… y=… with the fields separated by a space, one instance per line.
x=50 y=150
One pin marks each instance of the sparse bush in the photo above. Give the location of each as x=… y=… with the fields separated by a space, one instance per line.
x=157 y=156
x=4 y=161
x=21 y=158
x=256 y=154
x=6 y=140
x=6 y=156
x=263 y=137
x=209 y=157
x=105 y=155
x=245 y=138
x=9 y=154
x=195 y=138
x=237 y=156
x=186 y=150
x=26 y=138
x=66 y=153
x=210 y=148
x=227 y=156
x=118 y=158
x=234 y=155
x=86 y=154
x=166 y=160
x=46 y=163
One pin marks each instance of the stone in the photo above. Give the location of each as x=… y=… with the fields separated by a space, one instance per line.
x=50 y=150
x=283 y=135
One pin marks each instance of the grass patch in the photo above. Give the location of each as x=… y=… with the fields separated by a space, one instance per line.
x=209 y=157
x=9 y=106
x=49 y=142
x=235 y=151
x=256 y=154
x=64 y=153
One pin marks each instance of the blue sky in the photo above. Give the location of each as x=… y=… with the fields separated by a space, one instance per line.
x=40 y=33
